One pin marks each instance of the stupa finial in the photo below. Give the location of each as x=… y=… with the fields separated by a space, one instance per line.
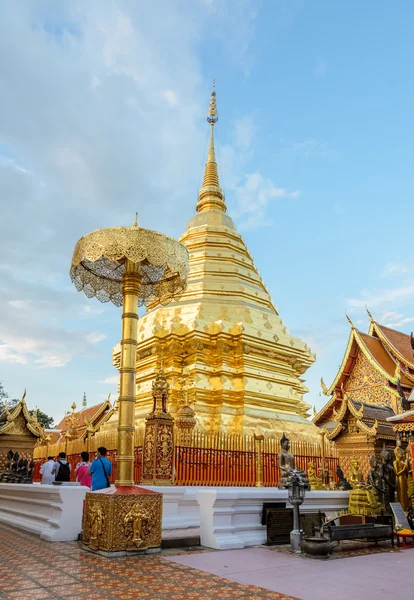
x=84 y=404
x=136 y=220
x=211 y=196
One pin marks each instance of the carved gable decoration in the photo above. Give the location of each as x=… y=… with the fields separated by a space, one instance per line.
x=365 y=384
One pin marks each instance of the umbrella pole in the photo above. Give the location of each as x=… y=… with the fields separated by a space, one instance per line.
x=131 y=288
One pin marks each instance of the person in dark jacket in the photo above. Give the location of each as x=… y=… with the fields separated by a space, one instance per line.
x=62 y=468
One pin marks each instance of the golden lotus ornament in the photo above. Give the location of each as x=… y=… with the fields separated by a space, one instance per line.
x=128 y=266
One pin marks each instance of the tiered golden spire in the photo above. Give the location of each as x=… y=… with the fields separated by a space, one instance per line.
x=211 y=196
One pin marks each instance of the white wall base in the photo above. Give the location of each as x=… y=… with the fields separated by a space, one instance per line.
x=180 y=508
x=52 y=511
x=231 y=517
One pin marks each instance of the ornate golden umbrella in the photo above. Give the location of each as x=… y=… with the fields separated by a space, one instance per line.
x=128 y=266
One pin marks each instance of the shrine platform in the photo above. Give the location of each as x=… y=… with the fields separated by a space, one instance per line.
x=54 y=512
x=230 y=517
x=227 y=517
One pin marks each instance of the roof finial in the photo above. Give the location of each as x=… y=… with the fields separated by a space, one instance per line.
x=350 y=322
x=136 y=220
x=369 y=314
x=84 y=400
x=211 y=196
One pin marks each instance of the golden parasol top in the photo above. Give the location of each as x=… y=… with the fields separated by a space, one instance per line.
x=99 y=258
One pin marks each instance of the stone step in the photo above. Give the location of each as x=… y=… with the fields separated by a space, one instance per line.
x=180 y=538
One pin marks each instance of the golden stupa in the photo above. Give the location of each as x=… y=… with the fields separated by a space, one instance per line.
x=224 y=335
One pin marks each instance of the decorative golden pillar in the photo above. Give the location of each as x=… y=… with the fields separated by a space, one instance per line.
x=158 y=451
x=127 y=266
x=131 y=288
x=259 y=439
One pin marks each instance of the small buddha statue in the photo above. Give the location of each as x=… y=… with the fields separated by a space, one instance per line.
x=287 y=465
x=315 y=482
x=356 y=479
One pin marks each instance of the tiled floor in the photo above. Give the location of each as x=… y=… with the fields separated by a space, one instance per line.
x=32 y=569
x=379 y=576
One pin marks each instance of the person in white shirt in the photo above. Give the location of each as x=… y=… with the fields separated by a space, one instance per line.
x=46 y=471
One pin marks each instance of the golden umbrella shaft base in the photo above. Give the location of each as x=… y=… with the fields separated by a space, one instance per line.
x=123 y=520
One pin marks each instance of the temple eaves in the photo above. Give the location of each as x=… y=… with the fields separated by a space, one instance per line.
x=211 y=196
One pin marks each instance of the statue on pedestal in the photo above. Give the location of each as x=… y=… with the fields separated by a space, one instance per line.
x=356 y=479
x=287 y=466
x=400 y=465
x=374 y=478
x=363 y=497
x=315 y=482
x=388 y=479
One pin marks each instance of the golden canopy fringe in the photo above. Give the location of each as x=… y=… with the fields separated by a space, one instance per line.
x=206 y=458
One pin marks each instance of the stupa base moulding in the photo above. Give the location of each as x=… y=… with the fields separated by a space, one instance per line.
x=122 y=521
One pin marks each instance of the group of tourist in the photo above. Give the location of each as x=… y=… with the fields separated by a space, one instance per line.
x=94 y=475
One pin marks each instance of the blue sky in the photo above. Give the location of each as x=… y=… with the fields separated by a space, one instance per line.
x=103 y=111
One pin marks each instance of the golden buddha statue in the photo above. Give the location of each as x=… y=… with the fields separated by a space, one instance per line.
x=365 y=498
x=356 y=479
x=315 y=482
x=401 y=474
x=410 y=480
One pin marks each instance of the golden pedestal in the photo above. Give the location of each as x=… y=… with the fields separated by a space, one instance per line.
x=123 y=520
x=363 y=501
x=158 y=452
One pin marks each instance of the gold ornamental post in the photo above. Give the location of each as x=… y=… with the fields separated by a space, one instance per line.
x=259 y=439
x=127 y=266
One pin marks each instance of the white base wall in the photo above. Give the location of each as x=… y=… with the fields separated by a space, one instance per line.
x=52 y=511
x=180 y=508
x=231 y=517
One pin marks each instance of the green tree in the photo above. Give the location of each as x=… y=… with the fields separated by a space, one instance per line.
x=44 y=419
x=4 y=398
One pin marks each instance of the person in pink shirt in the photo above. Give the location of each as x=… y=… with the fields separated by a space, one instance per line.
x=81 y=471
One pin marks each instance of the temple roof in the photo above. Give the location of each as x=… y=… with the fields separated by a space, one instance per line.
x=398 y=343
x=17 y=420
x=79 y=420
x=378 y=355
x=370 y=418
x=387 y=351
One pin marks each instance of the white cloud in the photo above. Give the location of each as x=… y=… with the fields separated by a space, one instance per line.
x=170 y=97
x=101 y=106
x=379 y=299
x=8 y=356
x=253 y=197
x=113 y=380
x=395 y=269
x=313 y=149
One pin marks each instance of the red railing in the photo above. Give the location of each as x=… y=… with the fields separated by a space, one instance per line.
x=211 y=466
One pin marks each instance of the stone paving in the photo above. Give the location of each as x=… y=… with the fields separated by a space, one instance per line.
x=375 y=576
x=32 y=569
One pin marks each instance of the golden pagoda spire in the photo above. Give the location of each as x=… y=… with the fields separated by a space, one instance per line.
x=211 y=196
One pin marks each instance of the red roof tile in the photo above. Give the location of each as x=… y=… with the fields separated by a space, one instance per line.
x=400 y=341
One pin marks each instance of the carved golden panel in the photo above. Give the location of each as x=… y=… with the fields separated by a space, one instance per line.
x=121 y=522
x=365 y=384
x=158 y=453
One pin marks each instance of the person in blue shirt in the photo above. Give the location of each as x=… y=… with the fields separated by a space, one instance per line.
x=100 y=470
